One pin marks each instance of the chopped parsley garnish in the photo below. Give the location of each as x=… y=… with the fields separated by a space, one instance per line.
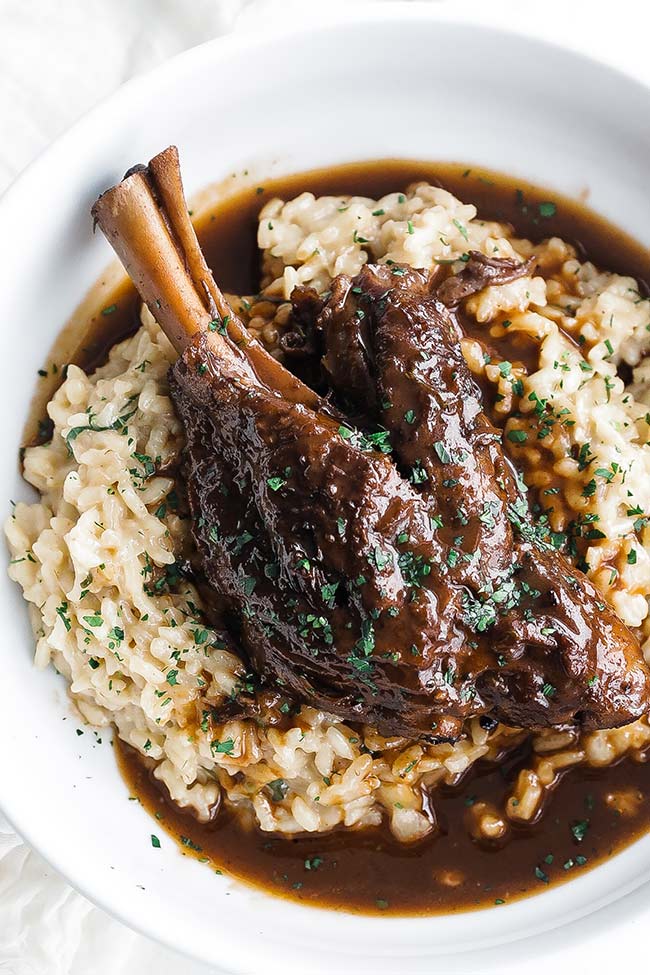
x=589 y=489
x=372 y=441
x=579 y=830
x=328 y=593
x=418 y=474
x=220 y=325
x=275 y=483
x=278 y=789
x=547 y=209
x=379 y=558
x=313 y=863
x=62 y=611
x=478 y=615
x=517 y=436
x=414 y=568
x=190 y=844
x=461 y=229
x=94 y=620
x=222 y=747
x=442 y=452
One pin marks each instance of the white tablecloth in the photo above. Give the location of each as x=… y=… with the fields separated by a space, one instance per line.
x=57 y=59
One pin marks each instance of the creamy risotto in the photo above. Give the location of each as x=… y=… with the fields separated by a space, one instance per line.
x=101 y=555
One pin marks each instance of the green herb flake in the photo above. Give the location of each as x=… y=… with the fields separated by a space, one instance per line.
x=94 y=620
x=517 y=436
x=328 y=592
x=225 y=747
x=579 y=830
x=275 y=483
x=547 y=209
x=278 y=789
x=190 y=844
x=442 y=452
x=62 y=611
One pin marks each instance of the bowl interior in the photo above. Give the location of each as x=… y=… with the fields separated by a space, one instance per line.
x=377 y=85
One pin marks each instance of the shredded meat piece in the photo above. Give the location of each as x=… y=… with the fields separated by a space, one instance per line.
x=479 y=272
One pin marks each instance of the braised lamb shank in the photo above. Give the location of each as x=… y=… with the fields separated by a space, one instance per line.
x=390 y=574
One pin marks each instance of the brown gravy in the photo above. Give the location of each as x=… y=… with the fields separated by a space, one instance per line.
x=228 y=235
x=228 y=230
x=369 y=871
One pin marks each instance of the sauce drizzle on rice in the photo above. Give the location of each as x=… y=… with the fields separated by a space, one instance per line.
x=101 y=558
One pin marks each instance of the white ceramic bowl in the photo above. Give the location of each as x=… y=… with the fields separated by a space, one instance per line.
x=382 y=82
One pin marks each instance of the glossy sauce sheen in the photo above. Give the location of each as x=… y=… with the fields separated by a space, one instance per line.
x=368 y=871
x=228 y=234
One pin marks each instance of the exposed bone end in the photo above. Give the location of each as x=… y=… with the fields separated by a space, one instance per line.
x=145 y=219
x=133 y=222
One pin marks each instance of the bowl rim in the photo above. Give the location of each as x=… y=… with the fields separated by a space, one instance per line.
x=395 y=12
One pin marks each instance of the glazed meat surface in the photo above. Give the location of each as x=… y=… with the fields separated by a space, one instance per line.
x=392 y=574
